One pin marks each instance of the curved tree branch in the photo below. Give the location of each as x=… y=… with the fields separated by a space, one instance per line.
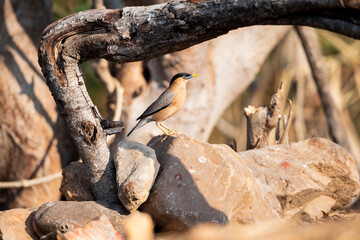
x=140 y=33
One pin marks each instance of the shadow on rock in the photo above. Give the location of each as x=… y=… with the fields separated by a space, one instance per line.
x=200 y=182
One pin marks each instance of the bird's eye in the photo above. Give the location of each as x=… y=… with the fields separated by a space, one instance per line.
x=188 y=76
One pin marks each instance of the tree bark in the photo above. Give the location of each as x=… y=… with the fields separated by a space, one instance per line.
x=33 y=142
x=141 y=33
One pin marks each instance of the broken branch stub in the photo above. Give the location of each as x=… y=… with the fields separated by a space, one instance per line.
x=256 y=132
x=260 y=121
x=140 y=33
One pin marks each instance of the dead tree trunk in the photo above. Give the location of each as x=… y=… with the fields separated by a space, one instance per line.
x=32 y=137
x=141 y=33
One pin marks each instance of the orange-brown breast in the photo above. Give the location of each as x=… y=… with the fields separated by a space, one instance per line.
x=177 y=102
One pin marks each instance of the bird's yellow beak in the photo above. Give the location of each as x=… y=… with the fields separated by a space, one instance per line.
x=194 y=75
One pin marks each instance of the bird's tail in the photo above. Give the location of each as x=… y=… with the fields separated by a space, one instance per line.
x=140 y=123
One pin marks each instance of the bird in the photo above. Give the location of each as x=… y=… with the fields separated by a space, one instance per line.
x=167 y=104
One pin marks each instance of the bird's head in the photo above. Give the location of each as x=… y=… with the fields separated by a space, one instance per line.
x=183 y=76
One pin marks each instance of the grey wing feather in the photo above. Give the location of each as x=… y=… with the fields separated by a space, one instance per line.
x=164 y=100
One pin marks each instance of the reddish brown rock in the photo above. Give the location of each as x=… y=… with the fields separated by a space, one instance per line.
x=201 y=182
x=65 y=216
x=309 y=178
x=16 y=224
x=334 y=229
x=99 y=229
x=76 y=184
x=136 y=169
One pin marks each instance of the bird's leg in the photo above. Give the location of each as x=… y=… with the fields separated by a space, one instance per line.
x=170 y=131
x=161 y=129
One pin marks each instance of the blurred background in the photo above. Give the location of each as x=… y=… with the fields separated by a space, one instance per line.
x=286 y=62
x=248 y=73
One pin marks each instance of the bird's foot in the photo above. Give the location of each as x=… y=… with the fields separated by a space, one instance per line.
x=165 y=129
x=160 y=127
x=167 y=134
x=171 y=132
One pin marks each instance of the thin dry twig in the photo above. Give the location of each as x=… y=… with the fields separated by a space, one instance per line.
x=299 y=108
x=336 y=127
x=287 y=124
x=30 y=182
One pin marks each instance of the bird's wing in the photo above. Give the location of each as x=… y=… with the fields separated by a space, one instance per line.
x=164 y=100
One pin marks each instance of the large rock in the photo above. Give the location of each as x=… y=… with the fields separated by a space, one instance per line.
x=136 y=169
x=334 y=229
x=201 y=182
x=309 y=178
x=16 y=224
x=76 y=185
x=65 y=216
x=98 y=229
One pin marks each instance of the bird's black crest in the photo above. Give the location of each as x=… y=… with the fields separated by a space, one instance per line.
x=179 y=75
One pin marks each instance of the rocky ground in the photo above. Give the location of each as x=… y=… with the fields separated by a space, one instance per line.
x=196 y=190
